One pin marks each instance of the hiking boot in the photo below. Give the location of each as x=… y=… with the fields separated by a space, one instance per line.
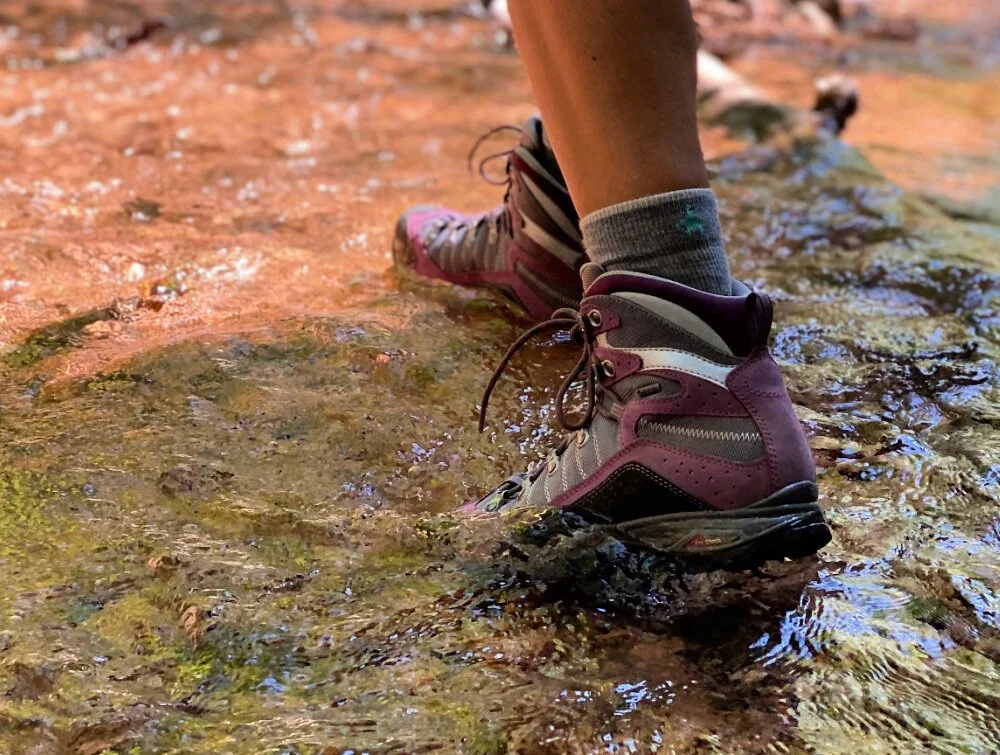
x=529 y=247
x=689 y=443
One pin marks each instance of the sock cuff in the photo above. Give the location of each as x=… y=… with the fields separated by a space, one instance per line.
x=674 y=235
x=704 y=197
x=658 y=224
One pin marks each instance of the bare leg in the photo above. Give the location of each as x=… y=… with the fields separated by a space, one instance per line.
x=615 y=81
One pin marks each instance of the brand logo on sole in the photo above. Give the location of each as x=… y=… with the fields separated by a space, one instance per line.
x=702 y=542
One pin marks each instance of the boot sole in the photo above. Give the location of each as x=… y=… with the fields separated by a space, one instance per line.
x=789 y=524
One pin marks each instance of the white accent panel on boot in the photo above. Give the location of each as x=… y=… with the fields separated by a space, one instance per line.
x=551 y=208
x=675 y=359
x=529 y=158
x=542 y=237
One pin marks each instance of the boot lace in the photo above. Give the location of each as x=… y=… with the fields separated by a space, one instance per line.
x=581 y=330
x=499 y=217
x=504 y=153
x=497 y=220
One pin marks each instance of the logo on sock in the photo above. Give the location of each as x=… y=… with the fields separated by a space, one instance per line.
x=691 y=224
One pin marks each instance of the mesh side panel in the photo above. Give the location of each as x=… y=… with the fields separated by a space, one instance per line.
x=462 y=250
x=740 y=425
x=604 y=438
x=480 y=249
x=588 y=455
x=571 y=466
x=536 y=493
x=602 y=444
x=446 y=249
x=499 y=240
x=736 y=439
x=642 y=329
x=489 y=241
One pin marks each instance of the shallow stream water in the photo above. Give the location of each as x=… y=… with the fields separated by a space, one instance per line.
x=231 y=438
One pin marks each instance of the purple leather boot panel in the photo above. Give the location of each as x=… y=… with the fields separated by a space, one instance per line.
x=759 y=385
x=719 y=484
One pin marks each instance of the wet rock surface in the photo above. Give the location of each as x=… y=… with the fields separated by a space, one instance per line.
x=231 y=441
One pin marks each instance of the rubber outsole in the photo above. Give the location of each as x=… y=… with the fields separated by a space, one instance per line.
x=789 y=524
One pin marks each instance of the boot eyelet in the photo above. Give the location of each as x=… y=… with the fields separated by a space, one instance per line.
x=551 y=466
x=581 y=438
x=608 y=367
x=595 y=318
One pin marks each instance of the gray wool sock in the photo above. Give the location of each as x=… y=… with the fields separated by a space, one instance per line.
x=675 y=235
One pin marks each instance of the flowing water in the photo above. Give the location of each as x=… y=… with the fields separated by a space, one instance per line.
x=231 y=438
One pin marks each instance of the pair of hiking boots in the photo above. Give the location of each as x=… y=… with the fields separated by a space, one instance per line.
x=689 y=443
